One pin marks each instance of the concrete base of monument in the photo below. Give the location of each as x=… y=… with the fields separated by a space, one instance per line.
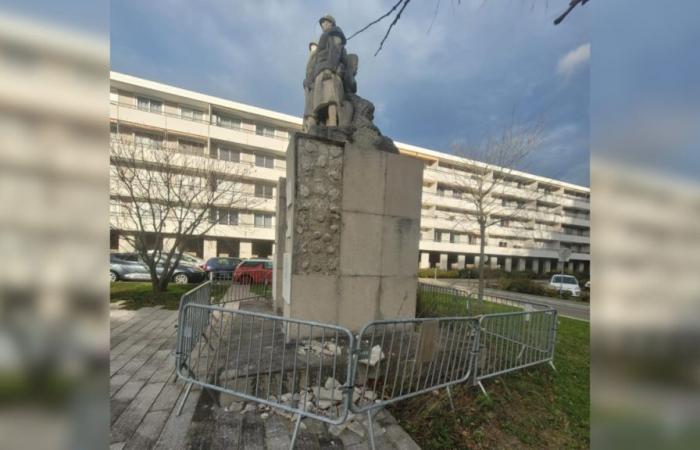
x=351 y=233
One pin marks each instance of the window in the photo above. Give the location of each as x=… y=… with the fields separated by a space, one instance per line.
x=503 y=244
x=250 y=263
x=228 y=122
x=223 y=216
x=228 y=155
x=261 y=130
x=263 y=221
x=113 y=97
x=263 y=191
x=147 y=139
x=192 y=147
x=504 y=222
x=264 y=161
x=268 y=264
x=147 y=104
x=191 y=114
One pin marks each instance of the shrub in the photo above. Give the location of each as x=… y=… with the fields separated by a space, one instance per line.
x=525 y=286
x=549 y=292
x=430 y=273
x=526 y=274
x=504 y=283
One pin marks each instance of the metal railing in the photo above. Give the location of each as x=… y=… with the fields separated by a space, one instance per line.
x=252 y=285
x=289 y=364
x=324 y=371
x=398 y=359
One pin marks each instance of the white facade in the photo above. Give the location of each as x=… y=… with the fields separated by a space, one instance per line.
x=558 y=213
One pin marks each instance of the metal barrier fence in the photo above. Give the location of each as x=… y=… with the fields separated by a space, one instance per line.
x=323 y=371
x=251 y=285
x=399 y=359
x=298 y=366
x=434 y=300
x=512 y=341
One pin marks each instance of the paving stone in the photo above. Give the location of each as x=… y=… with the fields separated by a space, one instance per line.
x=227 y=432
x=253 y=432
x=126 y=424
x=277 y=433
x=148 y=431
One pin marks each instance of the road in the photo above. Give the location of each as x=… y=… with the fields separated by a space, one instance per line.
x=566 y=308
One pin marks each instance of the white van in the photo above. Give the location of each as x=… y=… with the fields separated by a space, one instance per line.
x=565 y=283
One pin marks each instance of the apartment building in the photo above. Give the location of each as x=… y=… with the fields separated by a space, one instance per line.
x=147 y=112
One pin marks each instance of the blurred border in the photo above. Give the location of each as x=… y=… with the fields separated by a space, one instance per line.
x=54 y=334
x=645 y=179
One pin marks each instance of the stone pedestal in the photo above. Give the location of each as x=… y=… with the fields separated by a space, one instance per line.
x=353 y=227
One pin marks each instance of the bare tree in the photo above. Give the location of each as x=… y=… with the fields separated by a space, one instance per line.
x=398 y=8
x=162 y=193
x=486 y=187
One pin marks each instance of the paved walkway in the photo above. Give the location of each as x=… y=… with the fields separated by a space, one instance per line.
x=144 y=397
x=142 y=368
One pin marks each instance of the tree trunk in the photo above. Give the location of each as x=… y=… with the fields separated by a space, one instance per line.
x=482 y=249
x=159 y=284
x=163 y=284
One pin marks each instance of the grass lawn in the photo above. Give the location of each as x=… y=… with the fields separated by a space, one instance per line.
x=530 y=408
x=138 y=294
x=439 y=304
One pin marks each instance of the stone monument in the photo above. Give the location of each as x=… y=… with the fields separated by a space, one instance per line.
x=349 y=219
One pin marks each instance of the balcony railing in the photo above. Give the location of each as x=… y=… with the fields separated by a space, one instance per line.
x=205 y=120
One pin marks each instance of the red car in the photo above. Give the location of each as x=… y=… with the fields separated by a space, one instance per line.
x=253 y=271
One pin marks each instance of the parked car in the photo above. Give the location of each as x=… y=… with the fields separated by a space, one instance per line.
x=565 y=283
x=222 y=267
x=130 y=267
x=186 y=258
x=253 y=271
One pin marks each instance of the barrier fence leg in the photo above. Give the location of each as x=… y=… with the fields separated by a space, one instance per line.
x=370 y=430
x=296 y=432
x=183 y=399
x=481 y=386
x=449 y=396
x=551 y=363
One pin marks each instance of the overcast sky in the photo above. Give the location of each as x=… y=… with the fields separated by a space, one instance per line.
x=458 y=82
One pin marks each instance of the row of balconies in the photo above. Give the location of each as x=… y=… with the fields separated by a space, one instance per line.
x=518 y=232
x=525 y=192
x=430 y=200
x=242 y=169
x=131 y=114
x=246 y=227
x=448 y=247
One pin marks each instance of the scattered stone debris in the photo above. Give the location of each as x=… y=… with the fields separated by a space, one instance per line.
x=249 y=407
x=318 y=348
x=375 y=356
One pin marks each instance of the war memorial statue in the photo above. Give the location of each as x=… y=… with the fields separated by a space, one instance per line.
x=348 y=210
x=332 y=107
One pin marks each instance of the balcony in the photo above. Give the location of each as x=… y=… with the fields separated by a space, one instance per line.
x=127 y=112
x=578 y=219
x=247 y=137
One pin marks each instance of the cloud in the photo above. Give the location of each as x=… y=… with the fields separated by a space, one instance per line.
x=458 y=81
x=574 y=60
